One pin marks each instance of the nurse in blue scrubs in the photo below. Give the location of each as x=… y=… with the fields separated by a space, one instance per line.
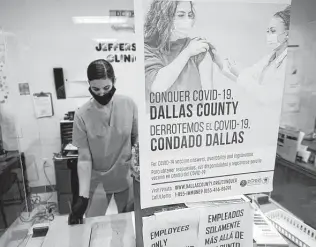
x=105 y=129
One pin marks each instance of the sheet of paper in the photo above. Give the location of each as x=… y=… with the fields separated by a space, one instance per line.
x=109 y=234
x=43 y=105
x=77 y=89
x=169 y=229
x=226 y=225
x=264 y=232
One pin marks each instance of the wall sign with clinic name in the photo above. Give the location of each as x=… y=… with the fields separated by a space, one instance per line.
x=209 y=121
x=123 y=13
x=117 y=52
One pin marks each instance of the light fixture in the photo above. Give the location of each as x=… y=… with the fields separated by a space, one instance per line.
x=124 y=27
x=99 y=19
x=104 y=40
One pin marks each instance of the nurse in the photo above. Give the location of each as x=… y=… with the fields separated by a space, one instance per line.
x=173 y=60
x=265 y=79
x=105 y=129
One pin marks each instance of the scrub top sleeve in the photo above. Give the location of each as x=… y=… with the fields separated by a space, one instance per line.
x=134 y=134
x=79 y=133
x=153 y=63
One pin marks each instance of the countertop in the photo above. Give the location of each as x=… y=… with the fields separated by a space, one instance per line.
x=60 y=234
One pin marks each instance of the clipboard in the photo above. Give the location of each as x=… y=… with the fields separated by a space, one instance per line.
x=43 y=105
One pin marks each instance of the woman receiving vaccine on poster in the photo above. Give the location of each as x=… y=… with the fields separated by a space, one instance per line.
x=265 y=79
x=173 y=60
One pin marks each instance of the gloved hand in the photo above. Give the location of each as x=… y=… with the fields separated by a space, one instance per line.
x=78 y=210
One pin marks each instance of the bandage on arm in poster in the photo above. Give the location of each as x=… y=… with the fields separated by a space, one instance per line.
x=224 y=65
x=230 y=70
x=167 y=75
x=211 y=57
x=215 y=56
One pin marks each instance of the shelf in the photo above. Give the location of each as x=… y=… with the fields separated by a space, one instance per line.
x=305 y=168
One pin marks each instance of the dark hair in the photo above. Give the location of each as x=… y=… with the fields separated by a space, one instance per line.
x=159 y=23
x=285 y=16
x=100 y=69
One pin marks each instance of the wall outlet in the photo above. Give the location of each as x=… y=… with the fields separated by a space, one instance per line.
x=45 y=162
x=19 y=132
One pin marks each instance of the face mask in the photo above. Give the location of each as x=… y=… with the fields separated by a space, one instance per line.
x=182 y=28
x=105 y=99
x=273 y=40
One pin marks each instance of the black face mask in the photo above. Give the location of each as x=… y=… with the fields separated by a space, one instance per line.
x=105 y=99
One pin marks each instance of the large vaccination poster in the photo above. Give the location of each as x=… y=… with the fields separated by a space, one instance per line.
x=210 y=84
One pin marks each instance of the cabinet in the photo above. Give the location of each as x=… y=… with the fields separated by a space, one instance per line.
x=67 y=184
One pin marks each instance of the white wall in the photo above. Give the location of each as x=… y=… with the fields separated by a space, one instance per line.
x=44 y=37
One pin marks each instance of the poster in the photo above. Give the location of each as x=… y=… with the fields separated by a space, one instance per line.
x=174 y=228
x=226 y=225
x=24 y=89
x=210 y=85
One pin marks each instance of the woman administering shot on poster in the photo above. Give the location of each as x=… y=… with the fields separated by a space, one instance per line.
x=105 y=129
x=174 y=61
x=265 y=79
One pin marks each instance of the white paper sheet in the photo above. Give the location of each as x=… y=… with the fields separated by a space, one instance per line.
x=77 y=89
x=43 y=105
x=227 y=225
x=169 y=229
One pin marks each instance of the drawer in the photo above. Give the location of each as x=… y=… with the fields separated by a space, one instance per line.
x=66 y=164
x=61 y=164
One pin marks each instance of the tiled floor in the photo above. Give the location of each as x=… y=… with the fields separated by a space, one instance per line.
x=296 y=192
